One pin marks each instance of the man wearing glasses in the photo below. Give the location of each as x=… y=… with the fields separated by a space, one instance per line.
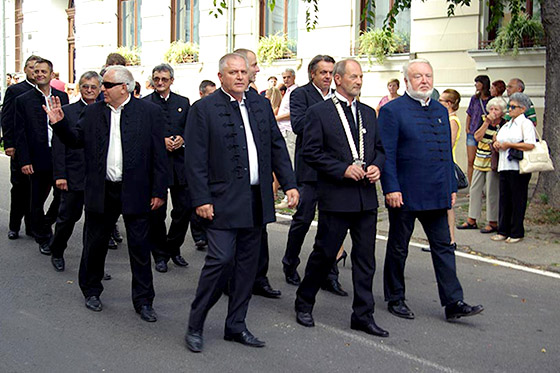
x=69 y=172
x=167 y=245
x=126 y=173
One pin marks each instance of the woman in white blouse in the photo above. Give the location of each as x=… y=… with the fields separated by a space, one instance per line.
x=518 y=133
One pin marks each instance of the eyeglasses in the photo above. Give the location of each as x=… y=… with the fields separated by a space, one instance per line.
x=87 y=87
x=163 y=80
x=109 y=85
x=513 y=107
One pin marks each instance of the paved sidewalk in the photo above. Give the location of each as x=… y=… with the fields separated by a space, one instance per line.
x=534 y=251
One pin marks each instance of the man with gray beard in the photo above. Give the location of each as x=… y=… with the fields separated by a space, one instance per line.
x=419 y=182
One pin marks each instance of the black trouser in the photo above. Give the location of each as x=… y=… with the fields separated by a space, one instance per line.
x=401 y=226
x=168 y=244
x=227 y=249
x=197 y=228
x=41 y=185
x=301 y=221
x=20 y=199
x=331 y=232
x=70 y=211
x=513 y=203
x=261 y=279
x=98 y=227
x=52 y=213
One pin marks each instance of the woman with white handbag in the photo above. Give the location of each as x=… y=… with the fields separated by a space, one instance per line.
x=513 y=138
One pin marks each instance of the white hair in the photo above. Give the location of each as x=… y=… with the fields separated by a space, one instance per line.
x=123 y=75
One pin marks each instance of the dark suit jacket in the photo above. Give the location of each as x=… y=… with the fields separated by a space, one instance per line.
x=144 y=160
x=32 y=139
x=326 y=149
x=217 y=162
x=9 y=111
x=419 y=162
x=69 y=163
x=175 y=111
x=301 y=99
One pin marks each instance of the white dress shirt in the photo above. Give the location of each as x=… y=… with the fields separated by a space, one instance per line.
x=353 y=106
x=251 y=147
x=49 y=128
x=115 y=154
x=285 y=125
x=325 y=97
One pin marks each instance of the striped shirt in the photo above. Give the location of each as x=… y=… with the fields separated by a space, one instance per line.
x=483 y=158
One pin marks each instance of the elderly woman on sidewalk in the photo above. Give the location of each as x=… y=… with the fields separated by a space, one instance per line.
x=517 y=134
x=483 y=176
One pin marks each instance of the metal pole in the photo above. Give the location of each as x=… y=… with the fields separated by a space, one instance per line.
x=3 y=79
x=230 y=25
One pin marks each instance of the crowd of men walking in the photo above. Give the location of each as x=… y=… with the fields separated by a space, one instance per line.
x=113 y=154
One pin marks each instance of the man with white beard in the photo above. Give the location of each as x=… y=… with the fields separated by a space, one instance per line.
x=419 y=182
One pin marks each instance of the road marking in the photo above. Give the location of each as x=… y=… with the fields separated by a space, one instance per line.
x=387 y=349
x=500 y=263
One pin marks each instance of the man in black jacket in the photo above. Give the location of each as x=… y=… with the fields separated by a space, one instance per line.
x=175 y=110
x=20 y=194
x=341 y=142
x=69 y=171
x=34 y=147
x=232 y=147
x=126 y=173
x=317 y=90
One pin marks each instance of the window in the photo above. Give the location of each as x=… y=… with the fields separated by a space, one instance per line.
x=283 y=19
x=18 y=35
x=380 y=10
x=185 y=17
x=130 y=23
x=532 y=8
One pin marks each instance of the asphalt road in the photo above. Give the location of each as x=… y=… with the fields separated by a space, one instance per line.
x=44 y=326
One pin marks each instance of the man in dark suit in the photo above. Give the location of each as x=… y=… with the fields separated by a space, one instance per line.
x=20 y=194
x=126 y=172
x=232 y=147
x=69 y=171
x=419 y=183
x=34 y=147
x=341 y=142
x=175 y=109
x=317 y=90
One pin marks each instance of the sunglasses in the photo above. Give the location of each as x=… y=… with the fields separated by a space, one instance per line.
x=109 y=85
x=513 y=107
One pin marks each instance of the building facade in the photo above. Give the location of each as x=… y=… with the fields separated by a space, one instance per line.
x=77 y=35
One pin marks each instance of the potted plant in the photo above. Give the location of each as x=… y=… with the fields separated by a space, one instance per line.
x=274 y=47
x=520 y=32
x=181 y=52
x=379 y=43
x=131 y=55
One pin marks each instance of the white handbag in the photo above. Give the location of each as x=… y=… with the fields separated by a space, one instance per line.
x=536 y=159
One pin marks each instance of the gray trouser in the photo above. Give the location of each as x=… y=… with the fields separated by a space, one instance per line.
x=491 y=180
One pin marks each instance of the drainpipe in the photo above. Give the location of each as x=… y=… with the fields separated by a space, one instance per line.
x=230 y=26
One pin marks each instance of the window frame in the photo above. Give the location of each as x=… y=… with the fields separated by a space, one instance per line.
x=120 y=28
x=174 y=7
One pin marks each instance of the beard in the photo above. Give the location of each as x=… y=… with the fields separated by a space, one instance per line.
x=418 y=94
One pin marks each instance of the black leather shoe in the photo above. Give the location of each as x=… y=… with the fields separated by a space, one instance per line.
x=368 y=327
x=13 y=235
x=245 y=338
x=400 y=309
x=112 y=244
x=179 y=261
x=147 y=313
x=58 y=263
x=334 y=287
x=201 y=244
x=94 y=303
x=116 y=235
x=45 y=249
x=461 y=309
x=161 y=266
x=292 y=277
x=305 y=319
x=107 y=276
x=267 y=291
x=194 y=340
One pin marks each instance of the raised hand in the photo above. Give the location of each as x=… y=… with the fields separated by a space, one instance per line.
x=54 y=110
